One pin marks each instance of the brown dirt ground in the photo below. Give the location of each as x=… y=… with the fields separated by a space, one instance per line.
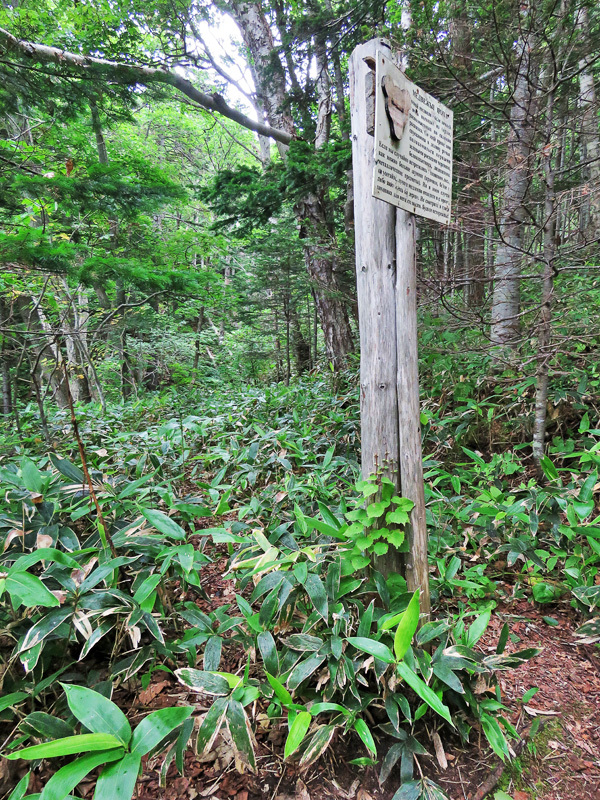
x=562 y=762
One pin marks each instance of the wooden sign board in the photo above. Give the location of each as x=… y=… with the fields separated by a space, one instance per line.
x=413 y=145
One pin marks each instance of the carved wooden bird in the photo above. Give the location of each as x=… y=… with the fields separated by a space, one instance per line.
x=397 y=106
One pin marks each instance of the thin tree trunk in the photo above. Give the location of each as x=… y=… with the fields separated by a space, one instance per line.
x=44 y=349
x=544 y=351
x=315 y=225
x=590 y=149
x=505 y=325
x=4 y=360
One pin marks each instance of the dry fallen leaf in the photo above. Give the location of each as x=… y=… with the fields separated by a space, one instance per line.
x=439 y=750
x=301 y=790
x=534 y=712
x=79 y=575
x=14 y=534
x=208 y=792
x=146 y=696
x=43 y=540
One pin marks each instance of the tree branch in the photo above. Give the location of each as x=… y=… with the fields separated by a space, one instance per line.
x=135 y=74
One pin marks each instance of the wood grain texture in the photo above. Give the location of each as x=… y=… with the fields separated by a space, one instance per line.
x=376 y=287
x=409 y=411
x=387 y=304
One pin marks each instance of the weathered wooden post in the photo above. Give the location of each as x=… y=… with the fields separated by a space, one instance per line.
x=402 y=161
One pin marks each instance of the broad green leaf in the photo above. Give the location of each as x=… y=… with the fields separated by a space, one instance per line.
x=67 y=469
x=233 y=680
x=44 y=554
x=239 y=728
x=30 y=590
x=153 y=728
x=86 y=743
x=97 y=713
x=298 y=731
x=117 y=781
x=69 y=776
x=49 y=726
x=211 y=724
x=201 y=681
x=583 y=509
x=397 y=517
x=450 y=678
x=48 y=623
x=317 y=745
x=389 y=762
x=185 y=556
x=373 y=648
x=304 y=670
x=21 y=787
x=12 y=699
x=425 y=693
x=478 y=628
x=366 y=620
x=164 y=524
x=212 y=653
x=502 y=641
x=304 y=642
x=98 y=574
x=375 y=510
x=548 y=468
x=319 y=708
x=366 y=488
x=407 y=627
x=495 y=736
x=586 y=493
x=32 y=477
x=268 y=651
x=316 y=591
x=146 y=588
x=282 y=694
x=361 y=727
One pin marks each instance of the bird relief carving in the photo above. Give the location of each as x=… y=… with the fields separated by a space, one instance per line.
x=397 y=106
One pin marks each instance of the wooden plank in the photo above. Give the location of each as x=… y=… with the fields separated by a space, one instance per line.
x=409 y=412
x=375 y=245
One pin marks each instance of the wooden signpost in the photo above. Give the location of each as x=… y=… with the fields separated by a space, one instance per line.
x=402 y=165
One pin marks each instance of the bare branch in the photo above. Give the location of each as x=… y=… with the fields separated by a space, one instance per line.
x=132 y=74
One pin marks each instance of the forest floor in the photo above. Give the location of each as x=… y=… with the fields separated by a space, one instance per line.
x=561 y=762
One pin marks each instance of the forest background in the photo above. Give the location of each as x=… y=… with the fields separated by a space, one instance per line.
x=179 y=352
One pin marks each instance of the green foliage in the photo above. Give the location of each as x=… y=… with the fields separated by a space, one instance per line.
x=330 y=641
x=111 y=742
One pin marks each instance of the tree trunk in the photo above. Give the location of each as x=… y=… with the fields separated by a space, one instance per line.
x=507 y=266
x=4 y=360
x=544 y=350
x=301 y=346
x=44 y=351
x=470 y=207
x=590 y=149
x=73 y=334
x=315 y=228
